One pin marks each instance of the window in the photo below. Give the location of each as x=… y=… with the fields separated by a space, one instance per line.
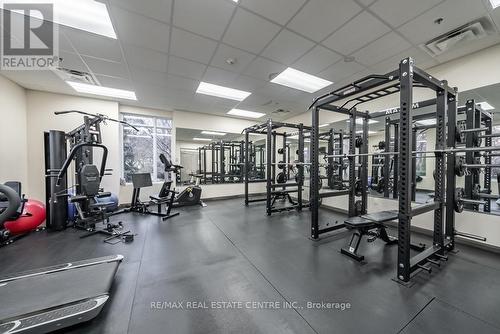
x=141 y=149
x=421 y=169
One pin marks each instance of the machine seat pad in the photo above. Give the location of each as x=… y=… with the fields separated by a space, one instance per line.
x=382 y=216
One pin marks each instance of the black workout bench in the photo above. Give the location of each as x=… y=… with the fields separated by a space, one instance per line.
x=365 y=225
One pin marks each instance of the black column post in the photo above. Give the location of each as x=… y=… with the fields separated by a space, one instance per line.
x=451 y=178
x=314 y=174
x=405 y=165
x=270 y=166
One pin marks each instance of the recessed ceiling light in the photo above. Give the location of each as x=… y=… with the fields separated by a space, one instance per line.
x=213 y=133
x=485 y=105
x=103 y=91
x=324 y=125
x=245 y=113
x=359 y=121
x=202 y=139
x=300 y=80
x=87 y=15
x=495 y=3
x=221 y=91
x=426 y=122
x=236 y=1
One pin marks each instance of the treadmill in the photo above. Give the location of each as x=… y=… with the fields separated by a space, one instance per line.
x=52 y=298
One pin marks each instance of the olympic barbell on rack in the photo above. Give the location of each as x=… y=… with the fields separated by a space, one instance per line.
x=443 y=151
x=461 y=167
x=460 y=200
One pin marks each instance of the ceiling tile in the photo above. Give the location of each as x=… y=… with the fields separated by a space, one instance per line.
x=176 y=82
x=319 y=18
x=246 y=83
x=120 y=83
x=341 y=70
x=64 y=43
x=100 y=66
x=140 y=30
x=358 y=32
x=398 y=12
x=94 y=45
x=219 y=76
x=366 y=2
x=190 y=46
x=186 y=68
x=455 y=14
x=208 y=18
x=143 y=76
x=381 y=49
x=317 y=60
x=422 y=60
x=224 y=52
x=159 y=10
x=250 y=32
x=287 y=47
x=261 y=68
x=72 y=61
x=280 y=11
x=146 y=58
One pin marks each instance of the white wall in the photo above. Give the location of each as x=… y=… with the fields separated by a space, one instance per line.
x=13 y=134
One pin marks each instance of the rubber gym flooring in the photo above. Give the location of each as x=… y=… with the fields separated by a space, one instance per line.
x=227 y=252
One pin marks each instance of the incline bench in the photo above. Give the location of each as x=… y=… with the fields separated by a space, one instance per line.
x=365 y=225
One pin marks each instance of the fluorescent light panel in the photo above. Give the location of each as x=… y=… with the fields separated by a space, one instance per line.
x=245 y=113
x=485 y=105
x=202 y=139
x=213 y=133
x=495 y=3
x=426 y=122
x=324 y=125
x=103 y=91
x=359 y=121
x=221 y=91
x=300 y=80
x=87 y=15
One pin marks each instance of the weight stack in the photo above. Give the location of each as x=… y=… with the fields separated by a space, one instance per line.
x=55 y=199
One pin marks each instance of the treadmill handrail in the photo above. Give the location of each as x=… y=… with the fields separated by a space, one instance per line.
x=66 y=266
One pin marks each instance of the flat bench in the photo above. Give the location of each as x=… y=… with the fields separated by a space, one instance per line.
x=365 y=225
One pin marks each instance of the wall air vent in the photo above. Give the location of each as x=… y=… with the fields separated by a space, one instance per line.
x=456 y=38
x=72 y=75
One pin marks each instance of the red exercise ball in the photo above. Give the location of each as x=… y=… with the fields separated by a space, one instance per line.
x=33 y=216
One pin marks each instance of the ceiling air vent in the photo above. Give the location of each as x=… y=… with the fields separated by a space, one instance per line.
x=472 y=31
x=78 y=76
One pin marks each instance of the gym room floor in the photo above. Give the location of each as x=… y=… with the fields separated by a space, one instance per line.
x=227 y=252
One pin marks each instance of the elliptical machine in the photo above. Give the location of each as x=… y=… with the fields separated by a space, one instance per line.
x=189 y=196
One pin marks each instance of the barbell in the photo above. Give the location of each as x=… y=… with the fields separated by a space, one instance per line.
x=442 y=151
x=461 y=167
x=459 y=200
